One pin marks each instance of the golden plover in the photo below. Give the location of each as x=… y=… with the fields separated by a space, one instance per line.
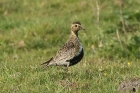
x=71 y=52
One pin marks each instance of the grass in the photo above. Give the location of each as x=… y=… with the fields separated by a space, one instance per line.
x=32 y=31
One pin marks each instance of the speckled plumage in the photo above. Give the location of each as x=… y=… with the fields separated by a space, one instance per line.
x=71 y=52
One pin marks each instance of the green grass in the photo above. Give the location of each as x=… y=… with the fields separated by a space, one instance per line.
x=32 y=31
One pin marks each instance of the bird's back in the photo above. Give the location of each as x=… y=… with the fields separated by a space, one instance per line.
x=69 y=50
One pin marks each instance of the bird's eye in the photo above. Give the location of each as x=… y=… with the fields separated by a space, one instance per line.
x=75 y=25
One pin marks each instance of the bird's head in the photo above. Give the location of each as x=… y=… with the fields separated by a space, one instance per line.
x=76 y=26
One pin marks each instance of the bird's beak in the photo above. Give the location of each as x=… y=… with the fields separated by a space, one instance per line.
x=82 y=28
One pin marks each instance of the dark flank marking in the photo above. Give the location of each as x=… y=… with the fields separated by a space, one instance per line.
x=76 y=59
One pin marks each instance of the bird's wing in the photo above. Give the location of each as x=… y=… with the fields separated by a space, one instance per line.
x=65 y=53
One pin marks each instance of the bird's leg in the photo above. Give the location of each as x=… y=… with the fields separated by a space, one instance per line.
x=67 y=67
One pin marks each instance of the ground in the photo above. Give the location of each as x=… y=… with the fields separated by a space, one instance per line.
x=31 y=32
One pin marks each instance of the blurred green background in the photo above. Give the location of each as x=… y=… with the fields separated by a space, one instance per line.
x=31 y=31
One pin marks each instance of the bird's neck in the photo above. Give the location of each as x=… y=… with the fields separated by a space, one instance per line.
x=73 y=37
x=74 y=33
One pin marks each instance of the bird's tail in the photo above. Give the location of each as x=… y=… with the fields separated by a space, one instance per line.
x=45 y=64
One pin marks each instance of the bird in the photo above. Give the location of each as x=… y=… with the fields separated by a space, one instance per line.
x=71 y=52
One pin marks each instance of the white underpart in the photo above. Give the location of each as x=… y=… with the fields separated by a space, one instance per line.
x=61 y=63
x=80 y=50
